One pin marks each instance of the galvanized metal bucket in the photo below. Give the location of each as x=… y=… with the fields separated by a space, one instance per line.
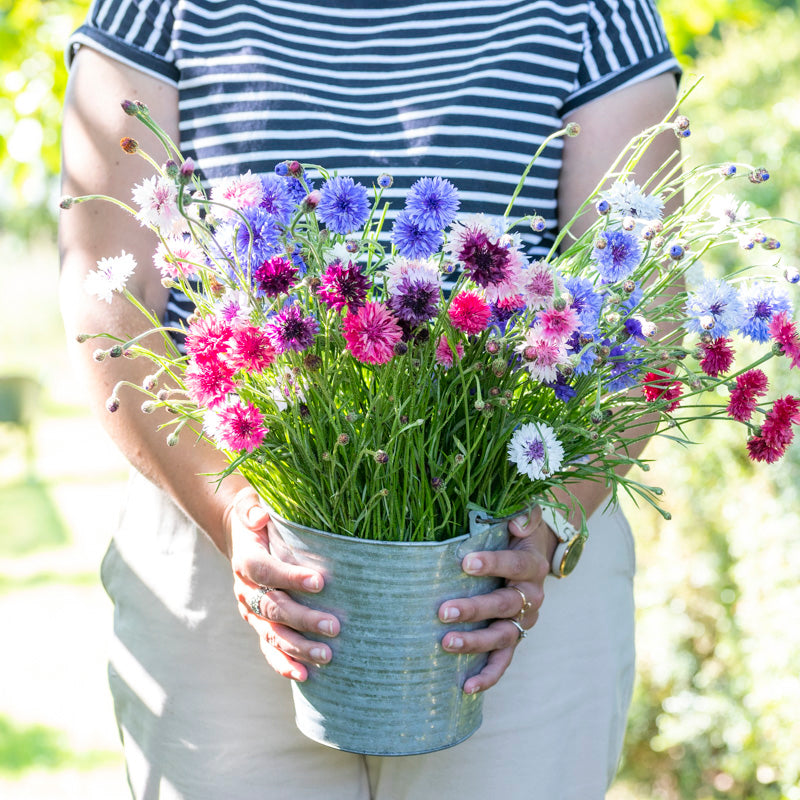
x=390 y=688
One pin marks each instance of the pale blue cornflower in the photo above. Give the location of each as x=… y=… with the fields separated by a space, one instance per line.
x=762 y=301
x=715 y=308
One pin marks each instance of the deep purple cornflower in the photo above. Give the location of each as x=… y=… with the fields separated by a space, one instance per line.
x=762 y=301
x=276 y=199
x=414 y=300
x=432 y=203
x=274 y=277
x=619 y=258
x=343 y=206
x=411 y=240
x=289 y=329
x=342 y=286
x=486 y=262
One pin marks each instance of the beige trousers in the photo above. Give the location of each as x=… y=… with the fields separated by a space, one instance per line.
x=202 y=716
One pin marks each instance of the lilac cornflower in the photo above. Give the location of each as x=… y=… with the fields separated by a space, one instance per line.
x=432 y=203
x=289 y=329
x=411 y=240
x=264 y=241
x=623 y=370
x=343 y=205
x=277 y=200
x=620 y=256
x=585 y=301
x=762 y=301
x=715 y=308
x=414 y=300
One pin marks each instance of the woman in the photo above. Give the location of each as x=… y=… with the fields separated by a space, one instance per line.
x=464 y=89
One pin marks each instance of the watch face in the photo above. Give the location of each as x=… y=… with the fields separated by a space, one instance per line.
x=572 y=555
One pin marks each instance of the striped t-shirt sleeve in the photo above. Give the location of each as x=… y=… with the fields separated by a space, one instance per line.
x=623 y=43
x=136 y=32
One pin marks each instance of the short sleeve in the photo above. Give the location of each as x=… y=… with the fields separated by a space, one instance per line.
x=623 y=43
x=136 y=32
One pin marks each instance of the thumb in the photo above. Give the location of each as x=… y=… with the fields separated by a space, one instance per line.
x=525 y=524
x=249 y=509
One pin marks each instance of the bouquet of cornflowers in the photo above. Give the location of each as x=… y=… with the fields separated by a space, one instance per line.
x=381 y=384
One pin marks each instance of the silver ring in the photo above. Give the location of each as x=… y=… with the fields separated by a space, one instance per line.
x=526 y=604
x=255 y=600
x=522 y=632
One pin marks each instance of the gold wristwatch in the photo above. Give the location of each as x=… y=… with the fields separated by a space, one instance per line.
x=570 y=543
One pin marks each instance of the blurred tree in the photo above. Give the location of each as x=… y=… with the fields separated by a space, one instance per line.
x=32 y=81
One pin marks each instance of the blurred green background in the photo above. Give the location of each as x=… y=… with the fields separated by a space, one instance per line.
x=716 y=712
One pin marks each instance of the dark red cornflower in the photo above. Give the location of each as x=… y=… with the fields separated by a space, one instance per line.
x=275 y=276
x=784 y=332
x=658 y=386
x=742 y=402
x=717 y=358
x=777 y=426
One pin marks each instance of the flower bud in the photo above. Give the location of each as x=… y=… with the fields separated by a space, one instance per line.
x=682 y=122
x=312 y=362
x=66 y=202
x=573 y=129
x=186 y=172
x=99 y=355
x=676 y=252
x=381 y=457
x=116 y=351
x=600 y=243
x=385 y=180
x=596 y=417
x=295 y=169
x=538 y=223
x=112 y=404
x=728 y=170
x=343 y=439
x=628 y=286
x=282 y=169
x=459 y=458
x=707 y=322
x=791 y=274
x=83 y=337
x=172 y=169
x=351 y=417
x=173 y=439
x=310 y=201
x=499 y=366
x=403 y=419
x=130 y=146
x=492 y=347
x=628 y=223
x=603 y=207
x=162 y=396
x=560 y=303
x=437 y=484
x=772 y=244
x=129 y=107
x=149 y=383
x=148 y=407
x=759 y=175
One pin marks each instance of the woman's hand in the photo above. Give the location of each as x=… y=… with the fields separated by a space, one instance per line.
x=524 y=565
x=259 y=579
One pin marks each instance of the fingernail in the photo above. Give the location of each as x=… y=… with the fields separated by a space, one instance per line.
x=326 y=627
x=451 y=612
x=456 y=643
x=296 y=675
x=254 y=515
x=472 y=564
x=319 y=655
x=472 y=690
x=312 y=583
x=521 y=521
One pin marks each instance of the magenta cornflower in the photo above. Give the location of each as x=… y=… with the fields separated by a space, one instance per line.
x=371 y=333
x=749 y=386
x=240 y=426
x=208 y=382
x=290 y=329
x=469 y=312
x=274 y=277
x=558 y=325
x=777 y=427
x=342 y=286
x=784 y=332
x=717 y=357
x=444 y=352
x=208 y=339
x=659 y=386
x=251 y=349
x=759 y=449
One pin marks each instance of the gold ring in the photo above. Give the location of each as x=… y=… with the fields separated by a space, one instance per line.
x=526 y=604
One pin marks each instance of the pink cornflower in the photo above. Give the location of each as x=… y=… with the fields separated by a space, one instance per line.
x=469 y=312
x=251 y=349
x=371 y=333
x=541 y=356
x=274 y=277
x=558 y=325
x=240 y=426
x=208 y=339
x=659 y=387
x=209 y=381
x=538 y=285
x=717 y=358
x=238 y=191
x=742 y=402
x=784 y=332
x=342 y=286
x=176 y=257
x=759 y=449
x=444 y=352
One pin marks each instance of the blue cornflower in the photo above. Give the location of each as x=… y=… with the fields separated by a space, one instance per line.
x=629 y=304
x=623 y=369
x=761 y=302
x=505 y=310
x=714 y=308
x=343 y=206
x=277 y=199
x=563 y=391
x=413 y=241
x=432 y=203
x=620 y=256
x=265 y=239
x=585 y=301
x=299 y=188
x=586 y=358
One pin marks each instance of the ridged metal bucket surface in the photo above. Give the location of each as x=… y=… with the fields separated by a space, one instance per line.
x=390 y=688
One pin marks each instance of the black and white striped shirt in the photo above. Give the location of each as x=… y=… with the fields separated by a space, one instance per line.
x=463 y=89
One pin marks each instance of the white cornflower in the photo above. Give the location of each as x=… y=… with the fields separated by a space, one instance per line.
x=110 y=276
x=176 y=257
x=535 y=450
x=628 y=200
x=727 y=211
x=157 y=199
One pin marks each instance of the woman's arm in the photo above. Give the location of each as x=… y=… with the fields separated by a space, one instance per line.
x=93 y=163
x=607 y=125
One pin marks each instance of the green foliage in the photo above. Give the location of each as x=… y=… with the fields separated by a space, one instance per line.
x=32 y=82
x=714 y=715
